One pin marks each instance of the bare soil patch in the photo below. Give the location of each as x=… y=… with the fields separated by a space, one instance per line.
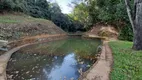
x=106 y=31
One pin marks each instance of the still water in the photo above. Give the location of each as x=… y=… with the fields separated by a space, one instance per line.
x=58 y=60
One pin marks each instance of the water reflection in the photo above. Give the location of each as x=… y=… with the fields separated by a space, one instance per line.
x=48 y=68
x=61 y=60
x=68 y=66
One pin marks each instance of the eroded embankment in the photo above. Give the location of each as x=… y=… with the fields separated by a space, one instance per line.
x=38 y=38
x=101 y=69
x=22 y=30
x=15 y=27
x=108 y=32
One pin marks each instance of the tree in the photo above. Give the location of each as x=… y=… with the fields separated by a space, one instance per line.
x=135 y=17
x=41 y=9
x=84 y=18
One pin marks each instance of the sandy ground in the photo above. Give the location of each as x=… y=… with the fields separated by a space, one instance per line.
x=106 y=31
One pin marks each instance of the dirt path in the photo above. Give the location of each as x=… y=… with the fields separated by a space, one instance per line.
x=101 y=69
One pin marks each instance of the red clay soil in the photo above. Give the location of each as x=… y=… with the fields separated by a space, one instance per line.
x=33 y=39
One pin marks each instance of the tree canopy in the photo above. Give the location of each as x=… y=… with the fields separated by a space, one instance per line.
x=85 y=14
x=113 y=12
x=42 y=9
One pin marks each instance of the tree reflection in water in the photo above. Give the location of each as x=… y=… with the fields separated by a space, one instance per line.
x=53 y=61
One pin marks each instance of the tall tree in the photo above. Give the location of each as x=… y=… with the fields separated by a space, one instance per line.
x=84 y=18
x=135 y=17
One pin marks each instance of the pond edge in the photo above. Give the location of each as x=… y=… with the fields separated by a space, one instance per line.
x=85 y=76
x=7 y=55
x=102 y=67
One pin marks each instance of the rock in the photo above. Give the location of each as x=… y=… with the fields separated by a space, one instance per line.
x=36 y=66
x=35 y=54
x=31 y=75
x=88 y=65
x=17 y=72
x=82 y=62
x=80 y=71
x=10 y=76
x=27 y=72
x=3 y=45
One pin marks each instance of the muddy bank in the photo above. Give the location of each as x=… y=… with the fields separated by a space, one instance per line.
x=37 y=39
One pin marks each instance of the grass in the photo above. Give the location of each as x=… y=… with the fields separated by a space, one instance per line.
x=8 y=21
x=127 y=62
x=10 y=18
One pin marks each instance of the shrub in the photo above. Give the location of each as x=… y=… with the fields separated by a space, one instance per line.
x=126 y=33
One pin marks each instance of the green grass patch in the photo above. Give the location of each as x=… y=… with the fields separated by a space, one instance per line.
x=127 y=62
x=18 y=18
x=8 y=21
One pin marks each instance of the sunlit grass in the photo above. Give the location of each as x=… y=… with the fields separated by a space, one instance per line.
x=8 y=21
x=127 y=62
x=18 y=18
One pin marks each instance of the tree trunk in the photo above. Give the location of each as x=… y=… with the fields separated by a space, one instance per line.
x=138 y=26
x=130 y=14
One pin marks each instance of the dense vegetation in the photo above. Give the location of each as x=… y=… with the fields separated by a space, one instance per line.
x=123 y=14
x=86 y=13
x=42 y=9
x=127 y=62
x=112 y=12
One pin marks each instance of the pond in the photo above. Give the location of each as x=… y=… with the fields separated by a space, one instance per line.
x=57 y=60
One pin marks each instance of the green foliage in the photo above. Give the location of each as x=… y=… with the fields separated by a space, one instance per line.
x=107 y=11
x=126 y=33
x=42 y=9
x=80 y=14
x=127 y=63
x=111 y=12
x=85 y=13
x=63 y=20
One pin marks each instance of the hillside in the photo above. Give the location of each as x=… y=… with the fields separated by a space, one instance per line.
x=106 y=31
x=16 y=26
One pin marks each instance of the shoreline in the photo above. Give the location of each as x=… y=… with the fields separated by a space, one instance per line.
x=93 y=73
x=102 y=67
x=6 y=56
